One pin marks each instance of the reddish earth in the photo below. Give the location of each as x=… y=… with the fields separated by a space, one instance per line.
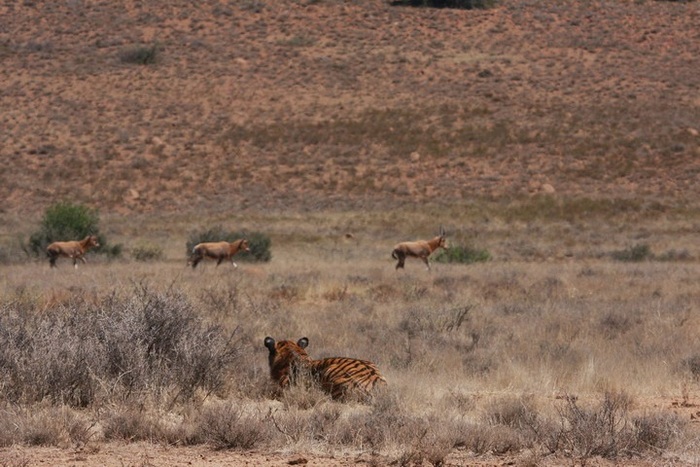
x=141 y=454
x=336 y=104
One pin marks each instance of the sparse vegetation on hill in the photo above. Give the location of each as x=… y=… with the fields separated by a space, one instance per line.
x=557 y=141
x=373 y=106
x=457 y=4
x=141 y=55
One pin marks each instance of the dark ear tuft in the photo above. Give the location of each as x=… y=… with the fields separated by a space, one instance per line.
x=270 y=343
x=303 y=342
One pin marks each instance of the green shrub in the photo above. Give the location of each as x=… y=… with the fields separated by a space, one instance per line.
x=147 y=253
x=259 y=243
x=634 y=254
x=462 y=254
x=64 y=221
x=111 y=251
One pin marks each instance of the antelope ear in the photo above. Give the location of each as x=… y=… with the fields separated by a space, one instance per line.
x=303 y=342
x=270 y=343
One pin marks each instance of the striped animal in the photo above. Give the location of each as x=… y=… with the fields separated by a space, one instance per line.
x=342 y=377
x=74 y=250
x=218 y=251
x=418 y=249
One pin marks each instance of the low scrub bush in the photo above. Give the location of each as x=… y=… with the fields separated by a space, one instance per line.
x=141 y=55
x=462 y=254
x=79 y=353
x=131 y=425
x=227 y=426
x=147 y=253
x=675 y=255
x=43 y=426
x=692 y=364
x=633 y=254
x=600 y=431
x=5 y=256
x=258 y=242
x=609 y=431
x=656 y=430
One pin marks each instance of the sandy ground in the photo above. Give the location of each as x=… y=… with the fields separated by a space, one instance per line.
x=144 y=454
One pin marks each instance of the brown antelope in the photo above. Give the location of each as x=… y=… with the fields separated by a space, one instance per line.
x=74 y=250
x=218 y=251
x=419 y=249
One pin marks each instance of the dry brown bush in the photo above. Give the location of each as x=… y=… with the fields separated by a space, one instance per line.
x=226 y=425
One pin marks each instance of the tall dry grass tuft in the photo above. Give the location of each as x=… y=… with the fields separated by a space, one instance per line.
x=609 y=430
x=226 y=425
x=44 y=425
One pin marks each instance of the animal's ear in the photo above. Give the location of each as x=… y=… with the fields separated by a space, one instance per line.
x=303 y=342
x=270 y=343
x=442 y=231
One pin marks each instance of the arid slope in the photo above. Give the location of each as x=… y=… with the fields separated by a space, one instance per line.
x=333 y=104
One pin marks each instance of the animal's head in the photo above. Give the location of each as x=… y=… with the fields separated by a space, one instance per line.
x=443 y=239
x=244 y=245
x=285 y=357
x=92 y=241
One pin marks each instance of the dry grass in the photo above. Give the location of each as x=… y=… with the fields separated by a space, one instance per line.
x=561 y=137
x=511 y=357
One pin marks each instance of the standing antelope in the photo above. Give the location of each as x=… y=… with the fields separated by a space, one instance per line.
x=419 y=249
x=218 y=251
x=74 y=250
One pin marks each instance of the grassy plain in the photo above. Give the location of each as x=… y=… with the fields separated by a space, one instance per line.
x=552 y=350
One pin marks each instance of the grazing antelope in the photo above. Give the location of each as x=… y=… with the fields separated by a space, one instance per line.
x=74 y=250
x=419 y=249
x=342 y=377
x=218 y=251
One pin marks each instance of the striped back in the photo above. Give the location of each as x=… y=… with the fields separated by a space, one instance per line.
x=344 y=377
x=341 y=377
